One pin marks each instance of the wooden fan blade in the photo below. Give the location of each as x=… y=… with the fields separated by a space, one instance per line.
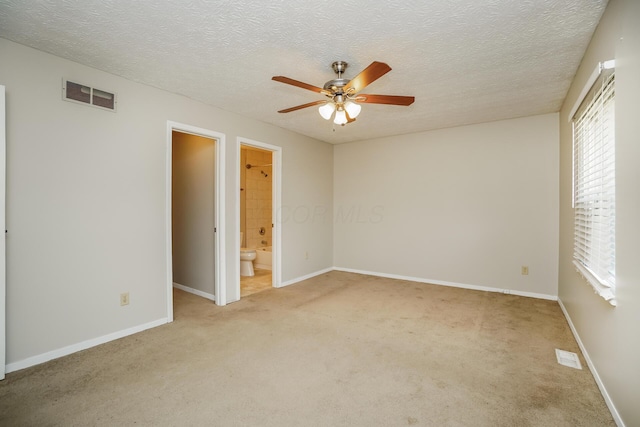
x=300 y=107
x=369 y=75
x=385 y=99
x=287 y=80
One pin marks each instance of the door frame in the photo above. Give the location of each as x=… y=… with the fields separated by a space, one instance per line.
x=219 y=220
x=276 y=200
x=3 y=285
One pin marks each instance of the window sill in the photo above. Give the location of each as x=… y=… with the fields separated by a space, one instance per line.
x=604 y=291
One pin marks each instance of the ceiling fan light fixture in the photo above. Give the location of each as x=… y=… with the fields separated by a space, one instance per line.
x=327 y=110
x=352 y=108
x=341 y=117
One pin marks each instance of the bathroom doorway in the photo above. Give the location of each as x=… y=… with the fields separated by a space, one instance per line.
x=195 y=221
x=259 y=234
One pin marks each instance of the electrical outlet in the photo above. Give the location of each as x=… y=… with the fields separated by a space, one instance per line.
x=124 y=298
x=306 y=255
x=525 y=270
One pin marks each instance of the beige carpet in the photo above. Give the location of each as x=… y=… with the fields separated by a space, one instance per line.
x=340 y=349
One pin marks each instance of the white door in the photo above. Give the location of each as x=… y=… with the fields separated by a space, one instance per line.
x=3 y=304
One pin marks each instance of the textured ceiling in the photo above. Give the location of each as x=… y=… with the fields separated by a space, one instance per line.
x=465 y=61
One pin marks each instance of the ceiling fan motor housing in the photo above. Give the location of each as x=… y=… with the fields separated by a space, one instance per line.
x=336 y=85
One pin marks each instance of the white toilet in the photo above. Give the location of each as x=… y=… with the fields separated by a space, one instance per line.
x=246 y=259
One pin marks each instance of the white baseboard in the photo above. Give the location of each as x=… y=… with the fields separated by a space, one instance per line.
x=592 y=368
x=65 y=351
x=305 y=277
x=452 y=284
x=194 y=291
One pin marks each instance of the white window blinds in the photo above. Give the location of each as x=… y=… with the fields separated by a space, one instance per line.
x=594 y=189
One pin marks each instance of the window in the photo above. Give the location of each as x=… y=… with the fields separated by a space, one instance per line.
x=594 y=187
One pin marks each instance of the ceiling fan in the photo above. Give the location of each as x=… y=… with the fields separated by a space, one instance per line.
x=344 y=97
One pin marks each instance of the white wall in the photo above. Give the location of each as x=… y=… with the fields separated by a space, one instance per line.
x=610 y=334
x=86 y=202
x=193 y=215
x=467 y=205
x=305 y=215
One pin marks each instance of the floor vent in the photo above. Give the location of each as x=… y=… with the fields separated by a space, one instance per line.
x=568 y=358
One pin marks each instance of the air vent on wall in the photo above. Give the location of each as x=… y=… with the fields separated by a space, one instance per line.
x=77 y=92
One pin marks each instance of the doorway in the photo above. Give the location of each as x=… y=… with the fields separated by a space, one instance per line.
x=195 y=220
x=259 y=200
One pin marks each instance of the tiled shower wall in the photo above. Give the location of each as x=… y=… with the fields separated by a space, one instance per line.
x=255 y=197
